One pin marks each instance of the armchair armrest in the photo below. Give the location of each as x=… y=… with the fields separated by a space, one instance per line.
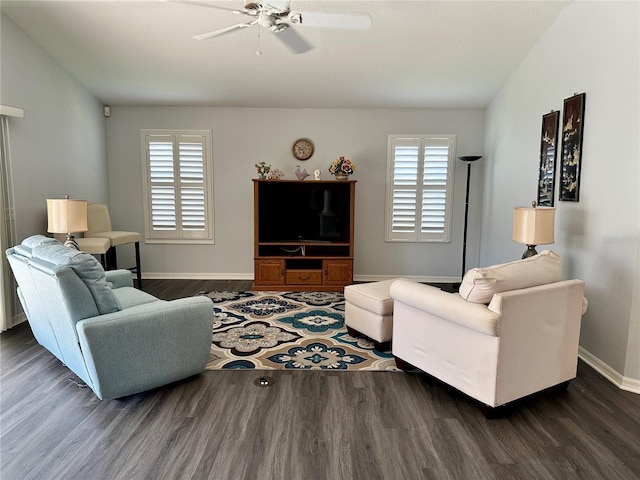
x=448 y=306
x=540 y=332
x=119 y=278
x=147 y=345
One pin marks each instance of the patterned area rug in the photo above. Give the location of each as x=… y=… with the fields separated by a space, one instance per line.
x=288 y=330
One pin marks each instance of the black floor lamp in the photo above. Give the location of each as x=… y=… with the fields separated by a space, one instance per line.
x=467 y=159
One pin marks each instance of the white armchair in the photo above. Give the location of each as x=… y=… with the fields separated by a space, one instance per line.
x=511 y=331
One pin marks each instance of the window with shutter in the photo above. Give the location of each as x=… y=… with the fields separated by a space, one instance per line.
x=178 y=186
x=419 y=174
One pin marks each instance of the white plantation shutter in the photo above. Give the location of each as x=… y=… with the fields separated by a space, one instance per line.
x=192 y=180
x=178 y=185
x=163 y=211
x=418 y=188
x=404 y=203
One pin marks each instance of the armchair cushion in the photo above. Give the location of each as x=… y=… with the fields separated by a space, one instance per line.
x=479 y=284
x=450 y=307
x=86 y=267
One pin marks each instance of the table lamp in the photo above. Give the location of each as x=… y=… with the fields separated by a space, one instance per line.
x=67 y=216
x=533 y=226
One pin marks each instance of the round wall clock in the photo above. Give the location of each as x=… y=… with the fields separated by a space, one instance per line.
x=302 y=149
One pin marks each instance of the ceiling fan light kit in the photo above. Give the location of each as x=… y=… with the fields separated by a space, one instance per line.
x=295 y=18
x=278 y=17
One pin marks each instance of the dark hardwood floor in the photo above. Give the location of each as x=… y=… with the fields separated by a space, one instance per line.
x=172 y=289
x=307 y=425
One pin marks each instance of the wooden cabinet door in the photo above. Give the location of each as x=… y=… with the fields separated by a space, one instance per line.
x=269 y=272
x=338 y=272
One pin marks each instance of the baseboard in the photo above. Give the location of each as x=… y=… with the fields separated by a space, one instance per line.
x=619 y=380
x=630 y=385
x=16 y=320
x=249 y=276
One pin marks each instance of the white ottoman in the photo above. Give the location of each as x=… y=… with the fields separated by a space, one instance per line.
x=369 y=311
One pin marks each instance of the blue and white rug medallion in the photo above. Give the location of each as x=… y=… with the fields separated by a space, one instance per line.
x=288 y=330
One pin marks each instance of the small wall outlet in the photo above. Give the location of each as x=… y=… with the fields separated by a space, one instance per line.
x=107 y=110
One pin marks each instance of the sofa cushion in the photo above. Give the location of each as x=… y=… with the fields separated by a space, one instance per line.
x=86 y=267
x=35 y=240
x=132 y=297
x=28 y=243
x=479 y=284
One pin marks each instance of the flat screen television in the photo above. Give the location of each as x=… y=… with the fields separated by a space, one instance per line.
x=304 y=211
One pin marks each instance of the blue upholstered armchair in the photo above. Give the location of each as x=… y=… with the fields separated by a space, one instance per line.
x=117 y=339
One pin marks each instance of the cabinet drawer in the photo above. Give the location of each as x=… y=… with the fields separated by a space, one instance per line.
x=303 y=277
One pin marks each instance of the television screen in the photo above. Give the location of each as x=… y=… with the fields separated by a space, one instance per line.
x=304 y=212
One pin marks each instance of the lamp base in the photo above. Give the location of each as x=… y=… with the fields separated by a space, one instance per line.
x=530 y=251
x=70 y=242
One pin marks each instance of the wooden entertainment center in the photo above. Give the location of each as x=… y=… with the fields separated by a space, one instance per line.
x=303 y=234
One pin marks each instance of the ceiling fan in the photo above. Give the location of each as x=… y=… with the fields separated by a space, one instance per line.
x=276 y=15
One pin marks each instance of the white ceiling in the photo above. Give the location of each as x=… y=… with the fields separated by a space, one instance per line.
x=416 y=53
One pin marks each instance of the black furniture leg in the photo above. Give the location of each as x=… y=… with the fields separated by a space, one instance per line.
x=382 y=346
x=403 y=365
x=112 y=261
x=138 y=270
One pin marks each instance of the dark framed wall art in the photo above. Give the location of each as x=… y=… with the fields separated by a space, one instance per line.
x=571 y=164
x=548 y=153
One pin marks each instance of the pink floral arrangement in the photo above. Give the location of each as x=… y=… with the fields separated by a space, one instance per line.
x=342 y=165
x=275 y=174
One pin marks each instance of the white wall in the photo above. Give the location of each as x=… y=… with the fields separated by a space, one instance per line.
x=59 y=146
x=592 y=47
x=244 y=136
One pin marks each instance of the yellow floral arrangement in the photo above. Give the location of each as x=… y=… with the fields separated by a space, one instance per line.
x=262 y=169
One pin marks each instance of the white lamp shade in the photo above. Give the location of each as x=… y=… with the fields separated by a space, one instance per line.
x=65 y=215
x=533 y=225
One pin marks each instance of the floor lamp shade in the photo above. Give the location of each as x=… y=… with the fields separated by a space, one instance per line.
x=533 y=226
x=65 y=215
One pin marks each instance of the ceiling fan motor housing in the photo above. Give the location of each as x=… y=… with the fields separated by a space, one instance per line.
x=266 y=20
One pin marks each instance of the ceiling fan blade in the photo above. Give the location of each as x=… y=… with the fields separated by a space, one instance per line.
x=205 y=36
x=347 y=21
x=293 y=40
x=195 y=3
